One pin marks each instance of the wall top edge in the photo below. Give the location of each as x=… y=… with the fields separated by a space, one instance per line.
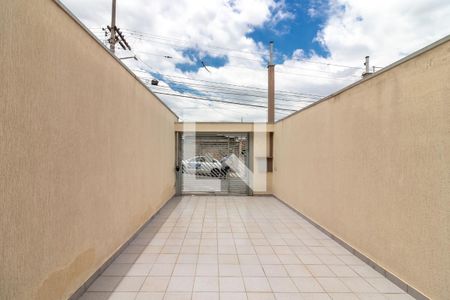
x=74 y=18
x=385 y=69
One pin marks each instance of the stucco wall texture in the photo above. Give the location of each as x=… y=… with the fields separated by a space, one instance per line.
x=86 y=153
x=371 y=165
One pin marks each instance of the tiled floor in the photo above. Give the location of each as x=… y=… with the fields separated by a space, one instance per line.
x=201 y=247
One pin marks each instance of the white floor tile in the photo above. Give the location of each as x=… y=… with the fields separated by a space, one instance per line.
x=233 y=296
x=256 y=284
x=180 y=284
x=206 y=284
x=155 y=284
x=212 y=247
x=260 y=296
x=282 y=285
x=205 y=296
x=231 y=284
x=130 y=284
x=333 y=285
x=149 y=296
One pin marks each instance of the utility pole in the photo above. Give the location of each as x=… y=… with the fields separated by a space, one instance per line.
x=270 y=107
x=271 y=87
x=112 y=40
x=367 y=64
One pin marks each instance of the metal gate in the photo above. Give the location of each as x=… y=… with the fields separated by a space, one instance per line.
x=207 y=163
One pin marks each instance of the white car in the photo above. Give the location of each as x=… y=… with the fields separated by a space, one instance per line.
x=204 y=165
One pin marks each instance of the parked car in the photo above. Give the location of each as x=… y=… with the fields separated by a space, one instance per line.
x=202 y=165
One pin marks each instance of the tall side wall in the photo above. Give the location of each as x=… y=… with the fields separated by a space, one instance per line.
x=86 y=153
x=372 y=166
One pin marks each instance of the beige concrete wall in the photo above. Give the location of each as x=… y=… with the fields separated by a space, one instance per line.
x=86 y=153
x=371 y=165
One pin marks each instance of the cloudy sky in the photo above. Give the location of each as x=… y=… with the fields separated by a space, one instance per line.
x=211 y=56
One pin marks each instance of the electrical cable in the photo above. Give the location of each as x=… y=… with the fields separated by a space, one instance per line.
x=217 y=100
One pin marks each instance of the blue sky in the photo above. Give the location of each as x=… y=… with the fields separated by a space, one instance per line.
x=298 y=32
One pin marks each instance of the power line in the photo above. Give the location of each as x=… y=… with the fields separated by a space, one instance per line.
x=282 y=72
x=260 y=61
x=225 y=95
x=227 y=84
x=253 y=101
x=159 y=37
x=247 y=52
x=281 y=66
x=218 y=90
x=327 y=64
x=236 y=50
x=125 y=46
x=297 y=74
x=214 y=52
x=241 y=86
x=150 y=36
x=217 y=100
x=213 y=100
x=218 y=54
x=259 y=99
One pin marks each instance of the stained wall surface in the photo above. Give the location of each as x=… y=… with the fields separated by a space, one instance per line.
x=86 y=153
x=372 y=166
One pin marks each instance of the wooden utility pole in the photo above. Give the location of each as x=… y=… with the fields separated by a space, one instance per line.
x=112 y=40
x=271 y=88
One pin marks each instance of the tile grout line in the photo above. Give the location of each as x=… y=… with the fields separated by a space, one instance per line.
x=386 y=274
x=84 y=286
x=244 y=221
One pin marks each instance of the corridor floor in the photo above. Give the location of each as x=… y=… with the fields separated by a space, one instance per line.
x=211 y=247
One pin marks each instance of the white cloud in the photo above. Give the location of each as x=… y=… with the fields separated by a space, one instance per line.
x=385 y=30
